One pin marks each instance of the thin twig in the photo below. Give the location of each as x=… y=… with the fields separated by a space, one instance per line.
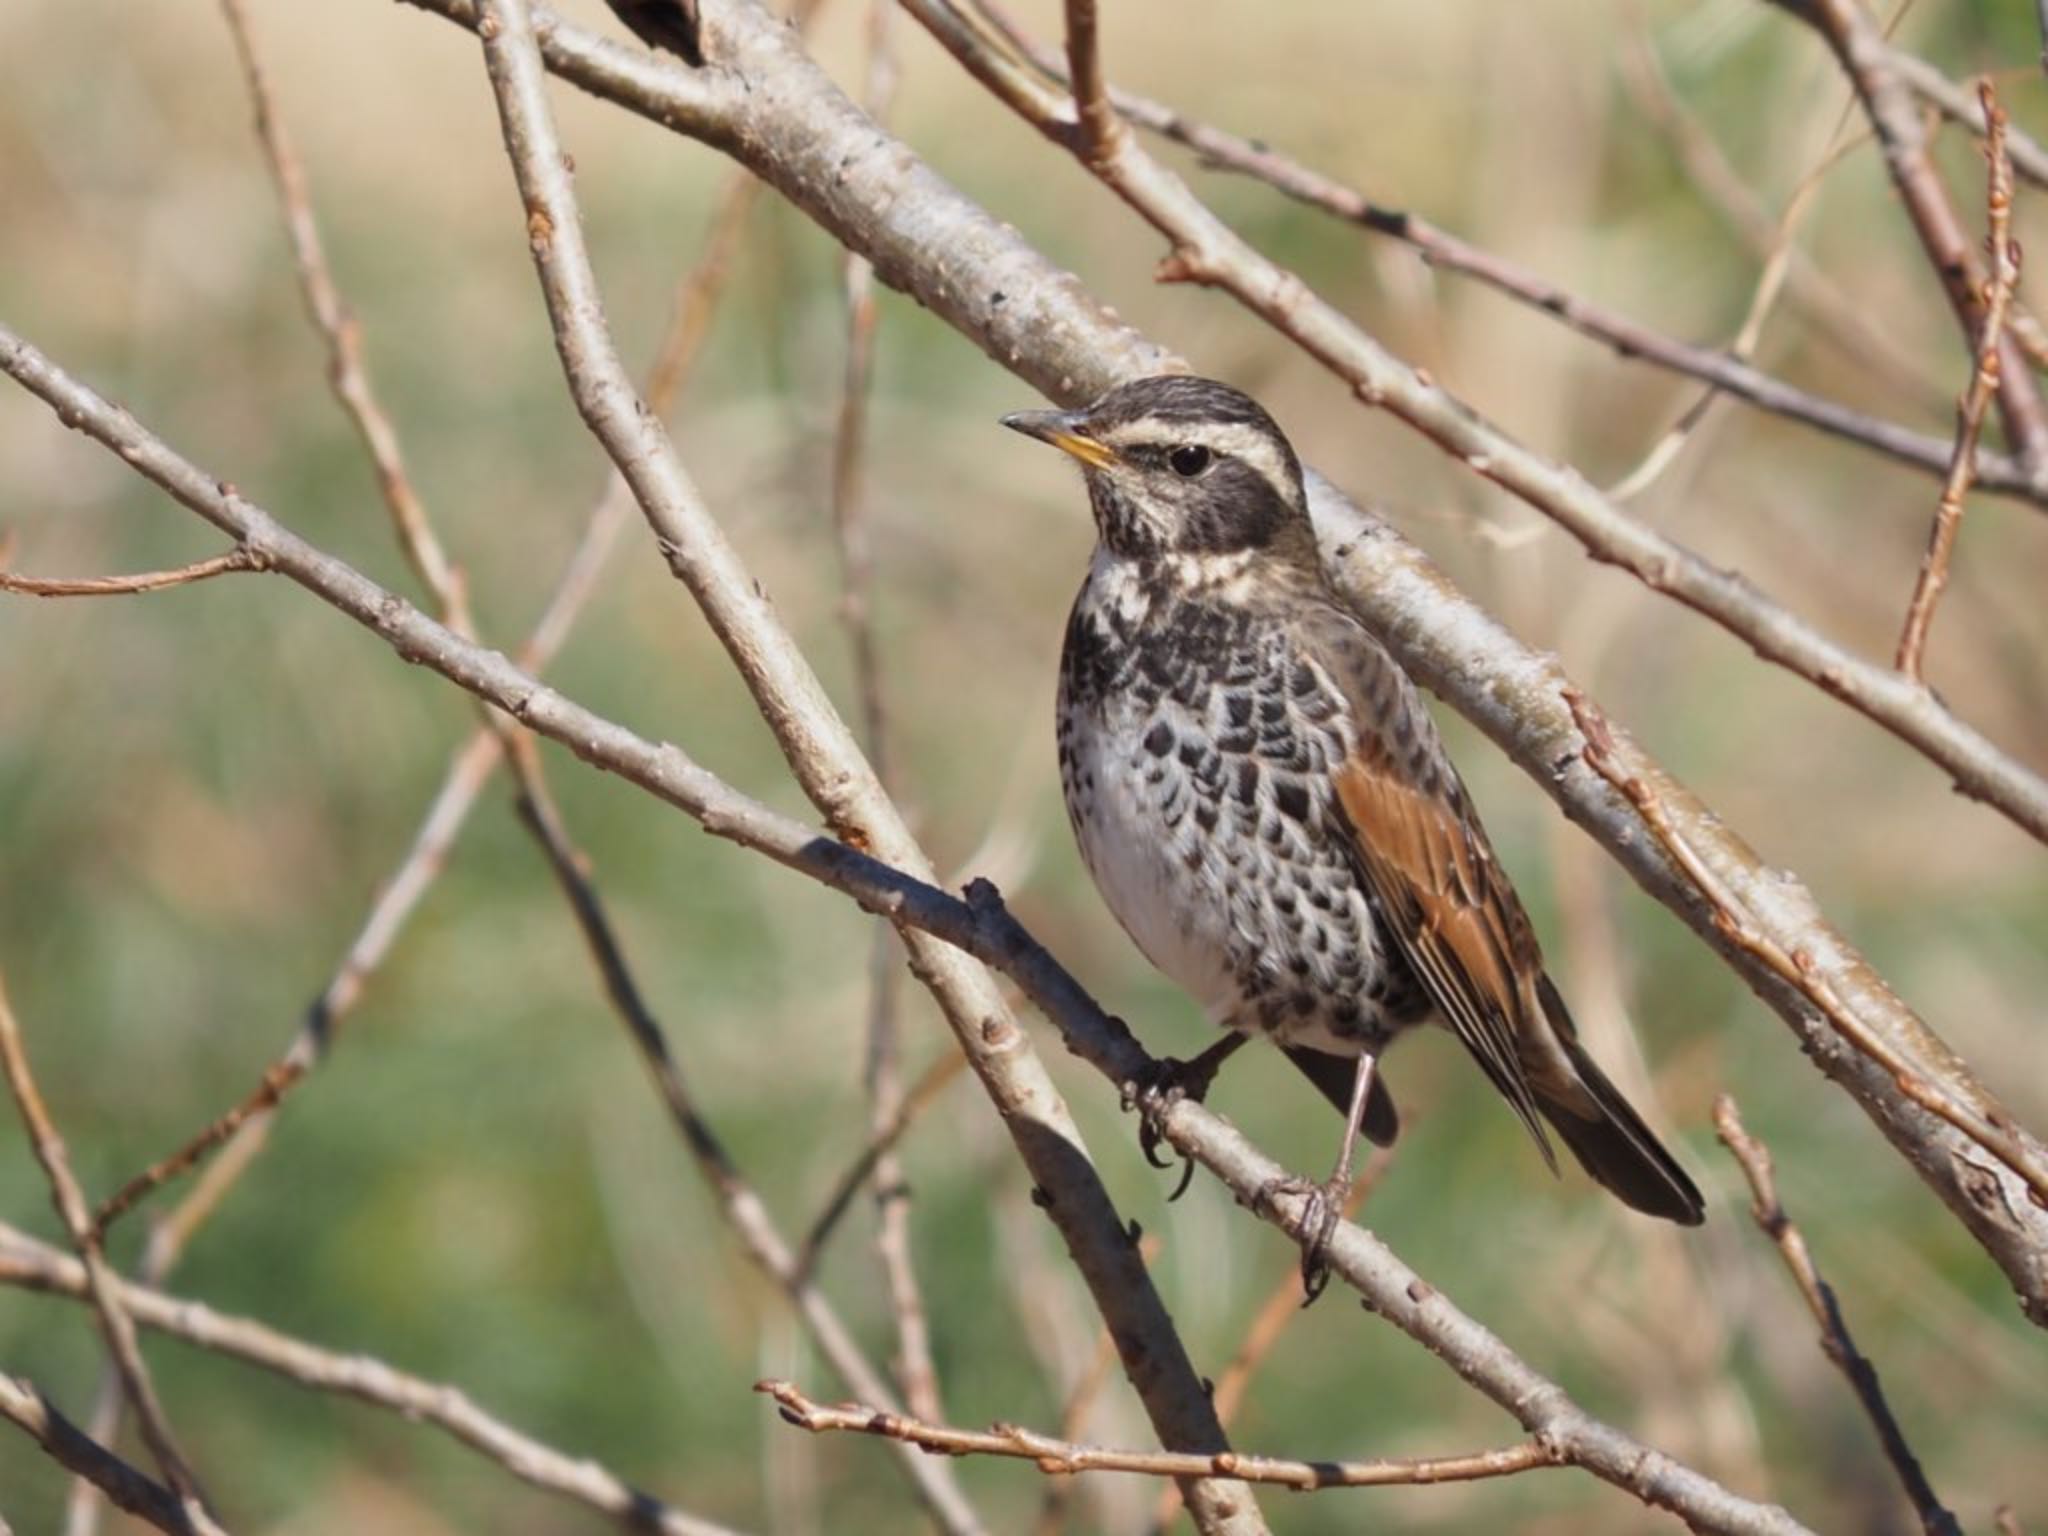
x=101 y=1283
x=979 y=926
x=36 y=1266
x=1063 y=1458
x=1778 y=248
x=1991 y=1130
x=1835 y=1340
x=867 y=1162
x=127 y=1486
x=828 y=763
x=2004 y=252
x=1726 y=191
x=121 y=586
x=338 y=330
x=1867 y=59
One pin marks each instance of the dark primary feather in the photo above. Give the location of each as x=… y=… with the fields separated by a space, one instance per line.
x=670 y=24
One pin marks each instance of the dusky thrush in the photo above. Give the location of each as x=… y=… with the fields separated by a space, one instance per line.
x=1268 y=810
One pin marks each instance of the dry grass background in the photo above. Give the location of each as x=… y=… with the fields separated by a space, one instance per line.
x=199 y=791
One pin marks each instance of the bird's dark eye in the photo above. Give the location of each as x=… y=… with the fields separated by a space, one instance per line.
x=1189 y=460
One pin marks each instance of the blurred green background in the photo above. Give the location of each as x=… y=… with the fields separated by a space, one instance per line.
x=200 y=791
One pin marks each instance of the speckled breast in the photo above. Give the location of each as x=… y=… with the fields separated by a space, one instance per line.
x=1196 y=740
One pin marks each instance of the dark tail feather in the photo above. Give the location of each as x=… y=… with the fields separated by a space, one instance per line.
x=1617 y=1149
x=1333 y=1077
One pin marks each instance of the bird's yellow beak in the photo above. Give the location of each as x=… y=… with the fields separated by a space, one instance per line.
x=1063 y=430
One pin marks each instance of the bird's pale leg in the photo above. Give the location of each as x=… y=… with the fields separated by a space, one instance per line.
x=1326 y=1200
x=1170 y=1082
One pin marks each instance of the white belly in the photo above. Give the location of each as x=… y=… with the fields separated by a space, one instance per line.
x=1177 y=915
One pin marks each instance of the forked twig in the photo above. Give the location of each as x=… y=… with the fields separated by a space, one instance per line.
x=1835 y=1340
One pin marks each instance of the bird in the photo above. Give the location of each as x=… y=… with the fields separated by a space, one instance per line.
x=1267 y=809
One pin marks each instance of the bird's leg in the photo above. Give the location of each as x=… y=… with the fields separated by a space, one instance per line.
x=1167 y=1084
x=1326 y=1200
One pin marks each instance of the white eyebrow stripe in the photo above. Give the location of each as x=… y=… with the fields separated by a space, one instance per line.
x=1245 y=443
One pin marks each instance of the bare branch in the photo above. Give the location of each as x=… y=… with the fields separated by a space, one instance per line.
x=1997 y=298
x=1064 y=1458
x=1867 y=59
x=122 y=586
x=1835 y=1340
x=36 y=1266
x=1994 y=1132
x=141 y=1495
x=828 y=763
x=100 y=1282
x=980 y=927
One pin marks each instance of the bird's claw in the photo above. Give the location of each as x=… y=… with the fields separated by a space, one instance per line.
x=1324 y=1208
x=1170 y=1081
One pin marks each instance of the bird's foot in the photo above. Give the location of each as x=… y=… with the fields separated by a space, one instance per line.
x=1168 y=1082
x=1324 y=1209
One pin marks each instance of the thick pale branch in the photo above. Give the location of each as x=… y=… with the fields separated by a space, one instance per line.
x=1993 y=1133
x=979 y=927
x=1063 y=1458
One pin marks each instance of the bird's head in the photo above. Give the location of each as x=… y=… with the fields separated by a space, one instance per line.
x=1181 y=465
